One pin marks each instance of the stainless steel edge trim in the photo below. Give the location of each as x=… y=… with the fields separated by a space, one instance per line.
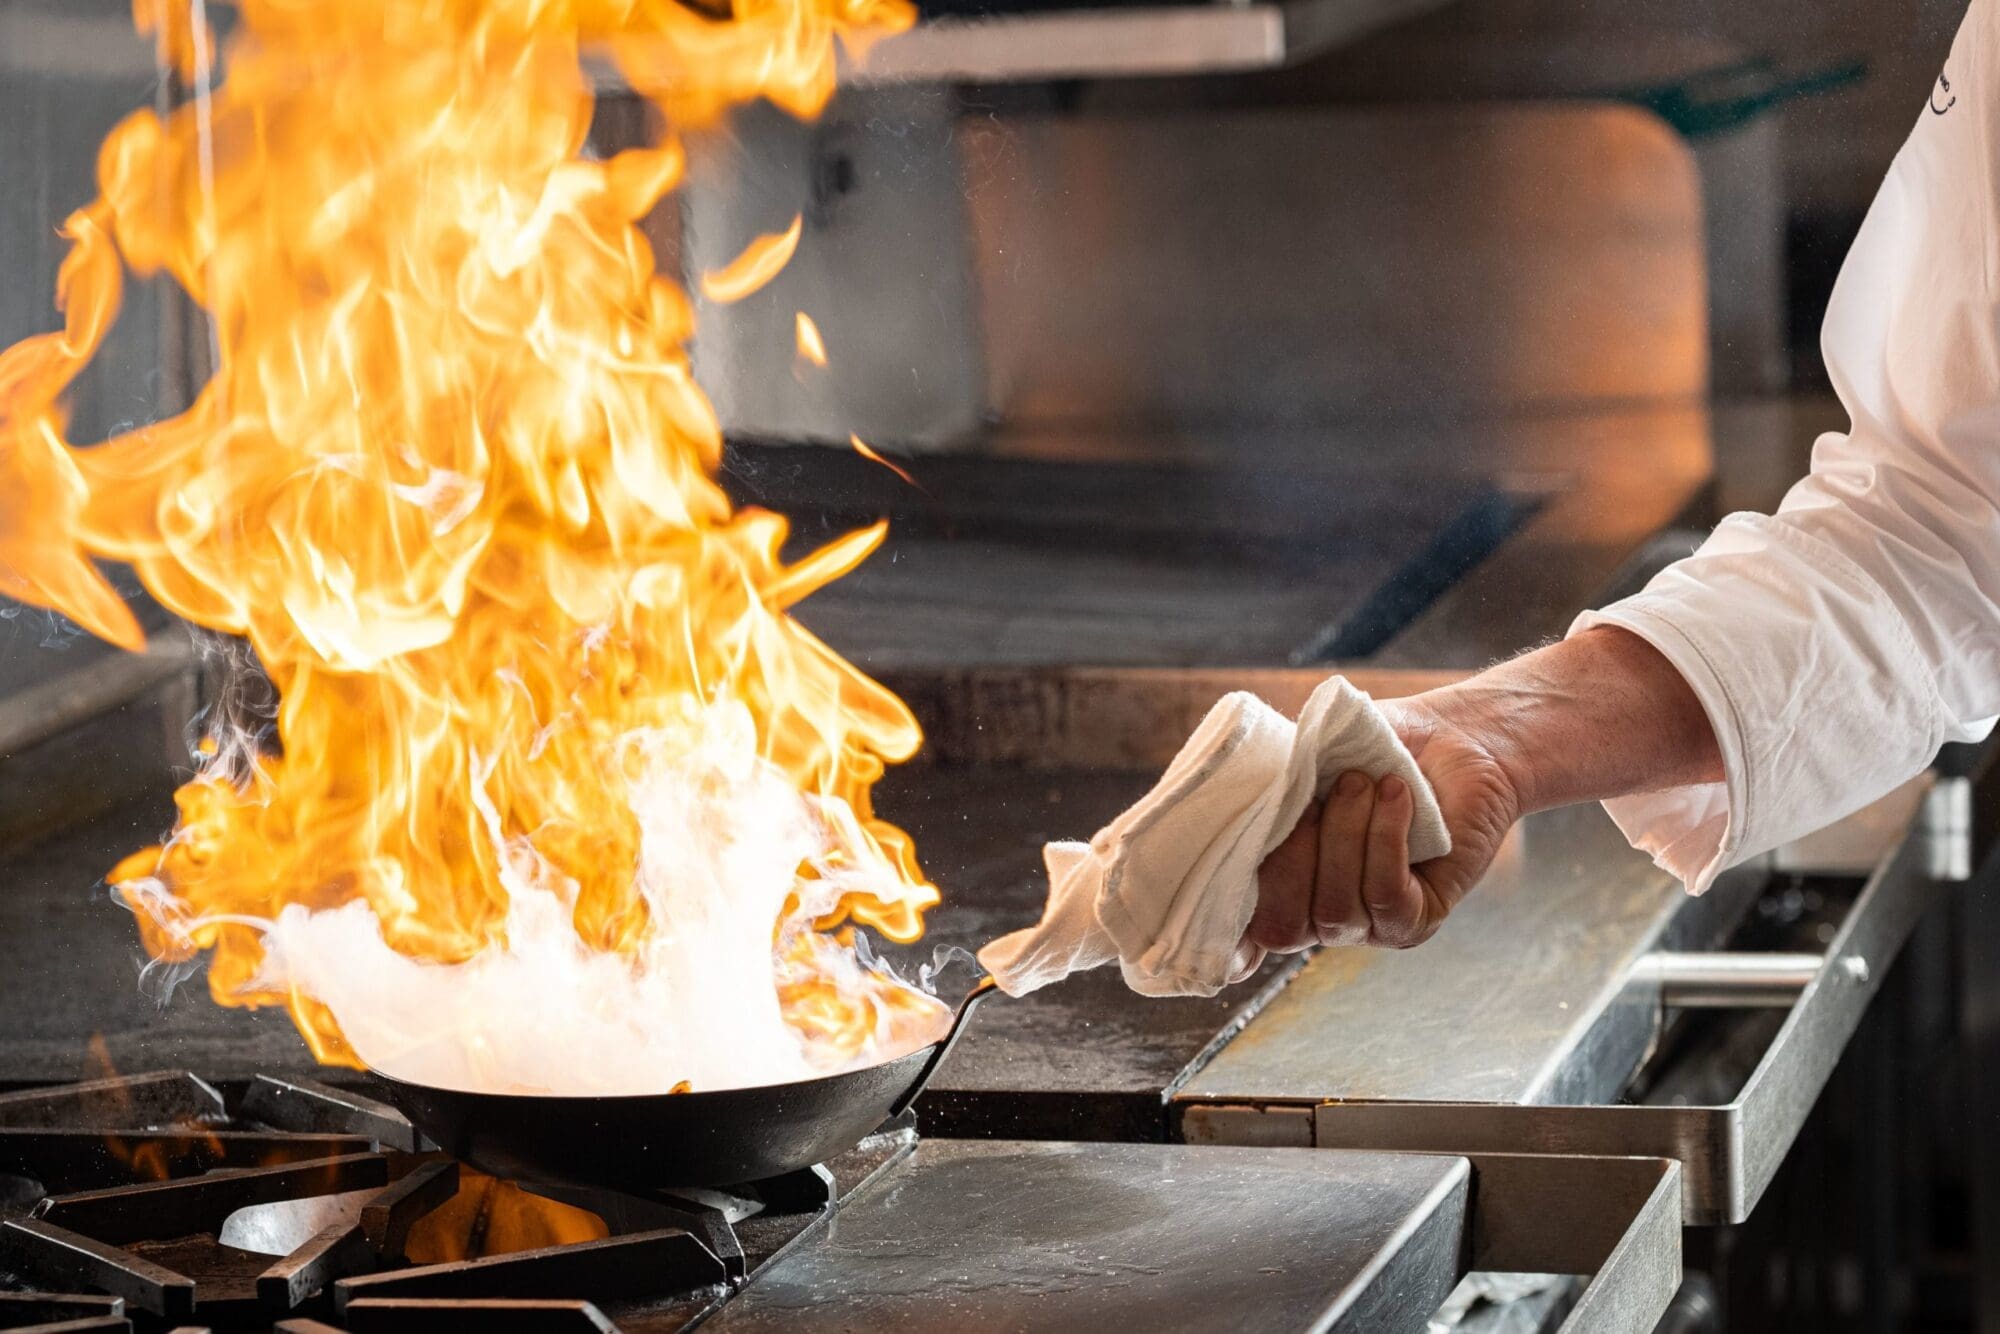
x=1636 y=1283
x=1616 y=1220
x=1782 y=1089
x=1423 y=1230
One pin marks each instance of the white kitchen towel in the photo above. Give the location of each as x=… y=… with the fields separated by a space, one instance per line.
x=1167 y=888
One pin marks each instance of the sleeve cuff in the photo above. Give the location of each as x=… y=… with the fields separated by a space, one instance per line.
x=1694 y=833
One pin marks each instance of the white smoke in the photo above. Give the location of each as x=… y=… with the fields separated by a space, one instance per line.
x=724 y=836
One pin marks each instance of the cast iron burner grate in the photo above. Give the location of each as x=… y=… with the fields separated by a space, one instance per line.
x=151 y=1202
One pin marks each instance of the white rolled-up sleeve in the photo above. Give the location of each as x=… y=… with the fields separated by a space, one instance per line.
x=1837 y=643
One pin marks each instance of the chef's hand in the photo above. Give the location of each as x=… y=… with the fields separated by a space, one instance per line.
x=1599 y=715
x=1344 y=877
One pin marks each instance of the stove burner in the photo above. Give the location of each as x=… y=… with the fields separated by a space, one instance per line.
x=153 y=1201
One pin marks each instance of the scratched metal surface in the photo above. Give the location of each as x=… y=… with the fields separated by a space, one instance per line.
x=1058 y=1236
x=1520 y=997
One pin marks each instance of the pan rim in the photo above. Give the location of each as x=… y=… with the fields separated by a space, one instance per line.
x=816 y=1081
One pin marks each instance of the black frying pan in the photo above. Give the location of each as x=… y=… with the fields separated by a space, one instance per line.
x=719 y=1137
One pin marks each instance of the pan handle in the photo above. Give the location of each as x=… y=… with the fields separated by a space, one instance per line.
x=981 y=989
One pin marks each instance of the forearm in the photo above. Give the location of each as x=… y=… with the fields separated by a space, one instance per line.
x=1599 y=715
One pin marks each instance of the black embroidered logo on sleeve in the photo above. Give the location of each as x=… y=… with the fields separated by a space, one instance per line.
x=1943 y=91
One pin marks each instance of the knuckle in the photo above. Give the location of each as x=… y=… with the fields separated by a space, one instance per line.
x=1398 y=929
x=1415 y=934
x=1342 y=933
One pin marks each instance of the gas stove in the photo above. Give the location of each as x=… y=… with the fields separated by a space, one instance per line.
x=161 y=1202
x=157 y=1200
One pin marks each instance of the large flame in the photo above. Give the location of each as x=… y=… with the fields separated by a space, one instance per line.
x=563 y=798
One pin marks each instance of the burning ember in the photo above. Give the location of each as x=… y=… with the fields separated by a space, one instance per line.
x=563 y=799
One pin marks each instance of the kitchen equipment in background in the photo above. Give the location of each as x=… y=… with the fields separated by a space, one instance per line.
x=1211 y=285
x=1725 y=103
x=1728 y=105
x=1036 y=562
x=883 y=274
x=80 y=722
x=1004 y=40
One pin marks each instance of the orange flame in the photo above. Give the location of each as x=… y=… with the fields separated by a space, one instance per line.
x=868 y=451
x=453 y=481
x=811 y=346
x=762 y=260
x=492 y=1217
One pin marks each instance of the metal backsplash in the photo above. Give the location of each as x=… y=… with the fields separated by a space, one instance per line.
x=882 y=272
x=1198 y=267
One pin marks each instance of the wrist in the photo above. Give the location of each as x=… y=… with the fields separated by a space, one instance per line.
x=1478 y=717
x=1599 y=715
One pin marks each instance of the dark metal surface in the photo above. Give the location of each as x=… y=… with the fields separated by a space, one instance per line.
x=628 y=1266
x=306 y=1105
x=336 y=1251
x=183 y=1207
x=30 y=1308
x=57 y=1258
x=386 y=1219
x=246 y=1247
x=76 y=972
x=73 y=1160
x=1026 y=562
x=1061 y=1236
x=154 y=1099
x=1085 y=1059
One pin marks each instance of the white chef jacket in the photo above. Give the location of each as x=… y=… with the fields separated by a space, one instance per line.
x=1837 y=643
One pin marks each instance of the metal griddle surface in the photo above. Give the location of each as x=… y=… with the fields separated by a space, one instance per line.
x=1086 y=1058
x=1020 y=562
x=1061 y=1236
x=72 y=971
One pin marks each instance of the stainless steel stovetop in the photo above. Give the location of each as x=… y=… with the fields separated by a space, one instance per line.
x=155 y=1201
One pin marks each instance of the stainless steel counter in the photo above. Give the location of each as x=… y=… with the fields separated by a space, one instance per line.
x=1054 y=1236
x=1523 y=996
x=1730 y=1144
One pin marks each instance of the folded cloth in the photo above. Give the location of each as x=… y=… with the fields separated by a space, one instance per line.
x=1167 y=888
